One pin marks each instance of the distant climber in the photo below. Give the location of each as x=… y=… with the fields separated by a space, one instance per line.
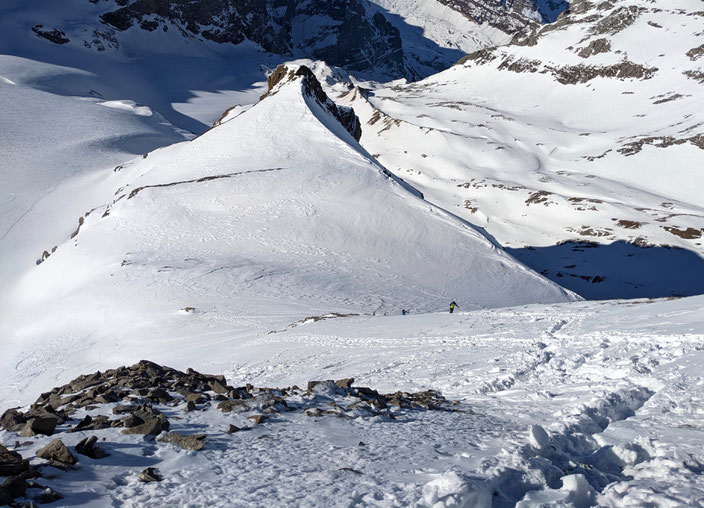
x=404 y=312
x=453 y=304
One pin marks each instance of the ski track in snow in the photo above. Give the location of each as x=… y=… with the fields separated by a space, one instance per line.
x=587 y=403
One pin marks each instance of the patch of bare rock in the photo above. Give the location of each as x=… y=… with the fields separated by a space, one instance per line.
x=144 y=400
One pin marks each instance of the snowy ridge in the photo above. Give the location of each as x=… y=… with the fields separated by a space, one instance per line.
x=550 y=179
x=251 y=216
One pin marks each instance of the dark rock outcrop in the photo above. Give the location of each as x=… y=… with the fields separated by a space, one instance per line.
x=51 y=34
x=311 y=87
x=12 y=420
x=12 y=463
x=40 y=425
x=15 y=485
x=349 y=33
x=87 y=447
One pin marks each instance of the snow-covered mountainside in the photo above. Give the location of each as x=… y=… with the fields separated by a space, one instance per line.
x=378 y=40
x=577 y=147
x=176 y=190
x=252 y=216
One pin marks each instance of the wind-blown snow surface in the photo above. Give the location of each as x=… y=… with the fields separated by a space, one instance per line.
x=571 y=404
x=56 y=150
x=250 y=219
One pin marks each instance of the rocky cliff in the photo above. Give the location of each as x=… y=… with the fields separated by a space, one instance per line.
x=346 y=33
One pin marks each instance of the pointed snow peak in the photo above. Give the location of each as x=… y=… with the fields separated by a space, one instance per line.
x=310 y=86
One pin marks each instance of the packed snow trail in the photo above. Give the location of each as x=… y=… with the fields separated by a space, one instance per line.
x=581 y=404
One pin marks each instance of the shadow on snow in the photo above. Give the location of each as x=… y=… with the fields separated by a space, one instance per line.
x=617 y=270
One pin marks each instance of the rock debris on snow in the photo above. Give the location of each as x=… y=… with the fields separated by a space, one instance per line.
x=144 y=398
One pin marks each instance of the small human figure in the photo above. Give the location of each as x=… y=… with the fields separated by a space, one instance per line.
x=453 y=304
x=403 y=312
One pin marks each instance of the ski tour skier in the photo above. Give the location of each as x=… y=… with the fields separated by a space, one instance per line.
x=453 y=304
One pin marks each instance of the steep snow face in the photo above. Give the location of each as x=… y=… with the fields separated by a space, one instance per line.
x=435 y=35
x=587 y=131
x=276 y=212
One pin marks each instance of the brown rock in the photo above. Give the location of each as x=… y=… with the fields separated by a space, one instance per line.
x=219 y=387
x=122 y=409
x=11 y=463
x=198 y=398
x=151 y=427
x=232 y=429
x=344 y=383
x=258 y=418
x=87 y=447
x=83 y=382
x=12 y=420
x=232 y=405
x=15 y=485
x=107 y=398
x=40 y=425
x=56 y=450
x=159 y=395
x=90 y=423
x=149 y=475
x=193 y=442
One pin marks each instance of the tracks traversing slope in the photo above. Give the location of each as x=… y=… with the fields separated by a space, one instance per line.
x=137 y=190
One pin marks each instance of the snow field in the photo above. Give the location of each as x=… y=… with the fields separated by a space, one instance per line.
x=574 y=404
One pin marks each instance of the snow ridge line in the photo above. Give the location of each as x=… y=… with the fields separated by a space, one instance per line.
x=137 y=190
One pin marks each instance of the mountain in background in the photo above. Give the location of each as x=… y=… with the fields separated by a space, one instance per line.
x=578 y=146
x=363 y=36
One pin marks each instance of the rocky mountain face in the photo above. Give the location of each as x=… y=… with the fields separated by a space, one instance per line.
x=350 y=34
x=357 y=35
x=510 y=16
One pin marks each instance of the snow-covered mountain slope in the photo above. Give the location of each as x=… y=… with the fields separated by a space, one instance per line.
x=190 y=81
x=254 y=218
x=588 y=131
x=55 y=151
x=433 y=32
x=581 y=404
x=435 y=36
